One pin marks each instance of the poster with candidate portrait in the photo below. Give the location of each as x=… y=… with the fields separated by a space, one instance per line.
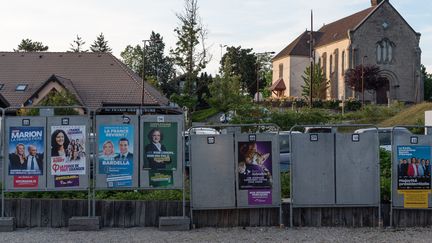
x=160 y=145
x=255 y=165
x=414 y=167
x=26 y=151
x=68 y=155
x=116 y=155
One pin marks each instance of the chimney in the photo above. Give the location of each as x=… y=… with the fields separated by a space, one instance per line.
x=375 y=2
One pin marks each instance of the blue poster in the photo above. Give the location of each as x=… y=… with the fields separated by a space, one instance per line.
x=115 y=154
x=26 y=150
x=414 y=168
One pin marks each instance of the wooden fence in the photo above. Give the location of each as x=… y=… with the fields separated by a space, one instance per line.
x=120 y=213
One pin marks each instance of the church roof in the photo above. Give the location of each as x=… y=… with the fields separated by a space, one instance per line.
x=299 y=47
x=327 y=34
x=338 y=30
x=279 y=85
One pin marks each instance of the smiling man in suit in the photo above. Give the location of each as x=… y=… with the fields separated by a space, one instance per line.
x=34 y=161
x=124 y=150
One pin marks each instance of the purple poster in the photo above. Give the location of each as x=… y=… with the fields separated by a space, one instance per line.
x=66 y=181
x=255 y=165
x=260 y=197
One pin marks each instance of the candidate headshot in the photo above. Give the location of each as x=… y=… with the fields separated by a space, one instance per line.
x=59 y=143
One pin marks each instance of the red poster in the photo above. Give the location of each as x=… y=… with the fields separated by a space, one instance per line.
x=26 y=181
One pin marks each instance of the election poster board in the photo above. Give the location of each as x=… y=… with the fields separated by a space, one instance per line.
x=24 y=153
x=414 y=167
x=68 y=153
x=161 y=151
x=116 y=154
x=257 y=170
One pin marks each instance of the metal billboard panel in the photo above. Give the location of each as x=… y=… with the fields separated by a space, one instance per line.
x=117 y=152
x=403 y=139
x=312 y=158
x=25 y=153
x=161 y=159
x=357 y=169
x=257 y=170
x=212 y=171
x=68 y=153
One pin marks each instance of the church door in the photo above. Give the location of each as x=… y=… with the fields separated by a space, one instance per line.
x=381 y=93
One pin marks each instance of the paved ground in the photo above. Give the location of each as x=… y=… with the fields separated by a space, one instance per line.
x=268 y=234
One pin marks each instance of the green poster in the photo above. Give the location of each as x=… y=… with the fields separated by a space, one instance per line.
x=160 y=145
x=161 y=178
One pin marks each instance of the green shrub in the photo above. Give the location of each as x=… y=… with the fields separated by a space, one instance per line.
x=352 y=105
x=385 y=167
x=285 y=120
x=285 y=184
x=331 y=104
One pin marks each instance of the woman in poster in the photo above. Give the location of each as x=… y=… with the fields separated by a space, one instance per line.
x=107 y=151
x=59 y=143
x=154 y=150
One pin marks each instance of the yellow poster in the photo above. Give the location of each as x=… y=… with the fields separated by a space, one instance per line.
x=416 y=199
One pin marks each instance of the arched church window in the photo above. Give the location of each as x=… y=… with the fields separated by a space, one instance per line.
x=384 y=51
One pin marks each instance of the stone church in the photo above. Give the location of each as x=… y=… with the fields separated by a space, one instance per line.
x=378 y=35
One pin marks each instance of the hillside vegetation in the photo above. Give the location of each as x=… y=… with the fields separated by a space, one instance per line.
x=413 y=115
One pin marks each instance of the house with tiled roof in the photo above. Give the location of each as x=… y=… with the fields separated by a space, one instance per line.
x=378 y=35
x=95 y=79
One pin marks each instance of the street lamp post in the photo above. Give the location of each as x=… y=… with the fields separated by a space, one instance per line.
x=362 y=80
x=258 y=68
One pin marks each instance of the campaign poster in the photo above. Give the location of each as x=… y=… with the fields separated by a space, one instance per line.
x=66 y=181
x=115 y=154
x=25 y=181
x=260 y=197
x=255 y=165
x=161 y=178
x=26 y=150
x=68 y=155
x=160 y=145
x=414 y=167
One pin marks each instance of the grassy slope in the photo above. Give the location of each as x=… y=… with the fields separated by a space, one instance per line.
x=410 y=116
x=202 y=115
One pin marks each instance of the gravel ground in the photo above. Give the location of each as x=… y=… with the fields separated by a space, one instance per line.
x=268 y=234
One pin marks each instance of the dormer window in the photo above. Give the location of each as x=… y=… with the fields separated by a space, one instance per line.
x=1 y=86
x=21 y=87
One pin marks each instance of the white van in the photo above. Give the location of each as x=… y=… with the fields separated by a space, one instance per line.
x=384 y=134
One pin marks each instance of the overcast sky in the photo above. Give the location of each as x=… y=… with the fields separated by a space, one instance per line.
x=264 y=25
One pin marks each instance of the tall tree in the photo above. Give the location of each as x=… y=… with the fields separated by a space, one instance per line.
x=100 y=44
x=319 y=84
x=372 y=79
x=242 y=63
x=77 y=45
x=159 y=68
x=265 y=72
x=203 y=90
x=28 y=45
x=191 y=54
x=225 y=92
